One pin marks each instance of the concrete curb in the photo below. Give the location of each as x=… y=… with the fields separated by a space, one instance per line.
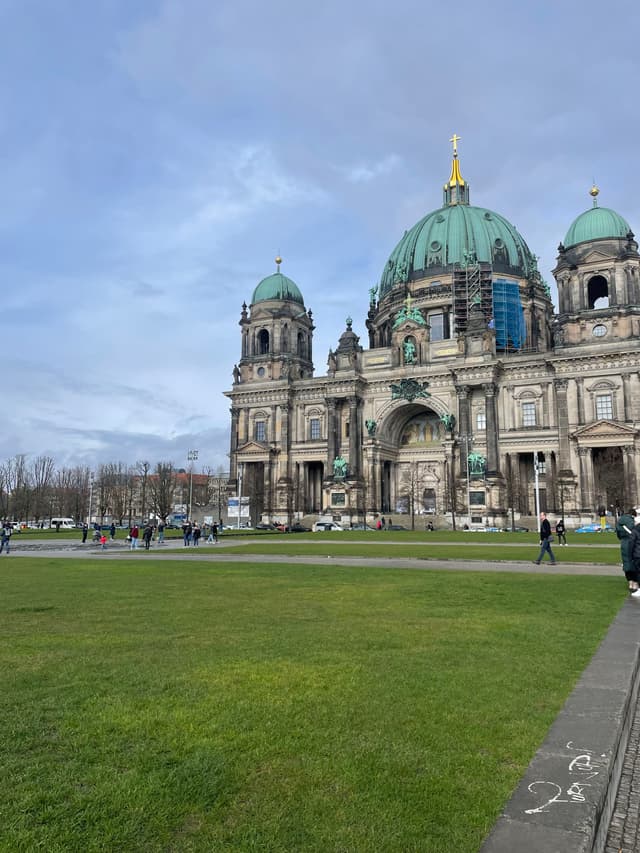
x=564 y=801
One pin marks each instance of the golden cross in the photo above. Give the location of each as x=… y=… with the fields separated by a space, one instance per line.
x=455 y=139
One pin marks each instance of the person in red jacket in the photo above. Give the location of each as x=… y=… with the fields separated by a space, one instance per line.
x=134 y=533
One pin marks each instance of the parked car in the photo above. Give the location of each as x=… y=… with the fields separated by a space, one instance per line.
x=396 y=527
x=326 y=525
x=515 y=530
x=594 y=528
x=359 y=525
x=266 y=525
x=299 y=528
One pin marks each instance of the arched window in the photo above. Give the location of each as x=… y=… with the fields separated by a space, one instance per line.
x=263 y=342
x=285 y=339
x=598 y=292
x=301 y=345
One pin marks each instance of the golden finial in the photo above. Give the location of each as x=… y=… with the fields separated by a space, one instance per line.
x=455 y=139
x=278 y=262
x=594 y=192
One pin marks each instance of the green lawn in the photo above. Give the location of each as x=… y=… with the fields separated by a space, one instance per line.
x=499 y=550
x=190 y=706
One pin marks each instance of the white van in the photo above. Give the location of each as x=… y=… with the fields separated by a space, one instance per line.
x=63 y=523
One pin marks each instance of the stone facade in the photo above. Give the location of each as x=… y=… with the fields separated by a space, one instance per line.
x=456 y=392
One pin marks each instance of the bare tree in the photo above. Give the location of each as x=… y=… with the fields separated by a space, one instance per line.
x=162 y=485
x=41 y=477
x=117 y=476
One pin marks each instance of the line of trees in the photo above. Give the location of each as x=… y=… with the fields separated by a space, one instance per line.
x=36 y=490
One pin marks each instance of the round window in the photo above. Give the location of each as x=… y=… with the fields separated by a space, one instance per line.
x=498 y=243
x=435 y=246
x=261 y=371
x=599 y=331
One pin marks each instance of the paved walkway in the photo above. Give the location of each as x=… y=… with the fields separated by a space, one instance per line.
x=616 y=727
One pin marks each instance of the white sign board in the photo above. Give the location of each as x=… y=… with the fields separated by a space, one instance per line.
x=232 y=508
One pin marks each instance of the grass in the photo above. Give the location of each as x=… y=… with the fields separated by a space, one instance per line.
x=185 y=706
x=494 y=551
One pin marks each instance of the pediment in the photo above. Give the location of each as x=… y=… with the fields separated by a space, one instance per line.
x=253 y=447
x=595 y=257
x=609 y=432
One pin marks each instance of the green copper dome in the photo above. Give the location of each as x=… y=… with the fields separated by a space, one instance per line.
x=445 y=236
x=597 y=223
x=277 y=286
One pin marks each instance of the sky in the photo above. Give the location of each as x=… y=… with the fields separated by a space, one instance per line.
x=156 y=156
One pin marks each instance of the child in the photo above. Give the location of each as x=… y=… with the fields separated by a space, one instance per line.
x=103 y=542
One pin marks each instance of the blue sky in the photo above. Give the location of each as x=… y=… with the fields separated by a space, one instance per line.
x=156 y=156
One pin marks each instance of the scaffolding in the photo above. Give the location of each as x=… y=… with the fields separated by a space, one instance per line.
x=472 y=282
x=499 y=299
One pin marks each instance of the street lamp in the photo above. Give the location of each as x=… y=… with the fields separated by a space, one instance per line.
x=90 y=496
x=192 y=455
x=240 y=467
x=536 y=473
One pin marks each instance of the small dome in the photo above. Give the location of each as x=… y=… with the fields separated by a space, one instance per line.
x=277 y=286
x=443 y=237
x=597 y=223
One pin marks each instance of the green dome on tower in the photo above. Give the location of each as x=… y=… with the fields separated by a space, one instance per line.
x=277 y=286
x=597 y=223
x=447 y=236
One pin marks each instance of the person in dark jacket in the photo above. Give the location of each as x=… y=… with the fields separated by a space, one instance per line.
x=561 y=532
x=545 y=540
x=625 y=531
x=147 y=534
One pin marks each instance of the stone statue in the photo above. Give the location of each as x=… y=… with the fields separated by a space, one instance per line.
x=371 y=426
x=373 y=291
x=236 y=374
x=409 y=351
x=332 y=362
x=339 y=467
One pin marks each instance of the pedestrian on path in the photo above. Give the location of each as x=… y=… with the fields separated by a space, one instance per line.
x=161 y=532
x=561 y=532
x=625 y=531
x=634 y=551
x=196 y=533
x=112 y=531
x=545 y=540
x=134 y=533
x=5 y=539
x=85 y=531
x=147 y=534
x=103 y=542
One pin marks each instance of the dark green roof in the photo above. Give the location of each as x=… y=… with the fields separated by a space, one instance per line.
x=277 y=286
x=442 y=238
x=597 y=223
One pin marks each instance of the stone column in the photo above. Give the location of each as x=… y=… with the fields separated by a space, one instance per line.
x=491 y=428
x=562 y=408
x=545 y=405
x=626 y=396
x=580 y=395
x=585 y=501
x=331 y=434
x=354 y=443
x=464 y=424
x=233 y=444
x=628 y=467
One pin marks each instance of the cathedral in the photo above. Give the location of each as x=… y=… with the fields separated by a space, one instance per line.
x=474 y=399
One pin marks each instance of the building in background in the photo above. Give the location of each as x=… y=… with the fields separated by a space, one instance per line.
x=469 y=376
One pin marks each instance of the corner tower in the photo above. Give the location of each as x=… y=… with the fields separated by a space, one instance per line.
x=277 y=333
x=598 y=277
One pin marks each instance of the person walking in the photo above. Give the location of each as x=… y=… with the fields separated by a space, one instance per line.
x=147 y=534
x=85 y=531
x=196 y=533
x=103 y=542
x=561 y=532
x=134 y=533
x=634 y=554
x=625 y=529
x=5 y=539
x=161 y=532
x=112 y=531
x=545 y=540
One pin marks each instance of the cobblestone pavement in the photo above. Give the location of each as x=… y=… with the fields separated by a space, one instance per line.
x=624 y=829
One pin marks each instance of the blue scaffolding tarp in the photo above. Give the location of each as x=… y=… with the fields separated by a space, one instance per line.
x=508 y=316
